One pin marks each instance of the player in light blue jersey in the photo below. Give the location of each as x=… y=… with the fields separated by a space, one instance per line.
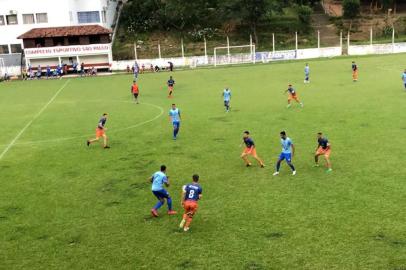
x=227 y=98
x=174 y=117
x=307 y=73
x=158 y=180
x=288 y=150
x=404 y=78
x=136 y=69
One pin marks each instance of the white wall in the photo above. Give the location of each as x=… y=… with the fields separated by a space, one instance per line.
x=58 y=14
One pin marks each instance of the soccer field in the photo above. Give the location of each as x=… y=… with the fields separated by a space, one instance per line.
x=66 y=206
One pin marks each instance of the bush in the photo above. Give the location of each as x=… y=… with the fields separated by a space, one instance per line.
x=351 y=8
x=304 y=13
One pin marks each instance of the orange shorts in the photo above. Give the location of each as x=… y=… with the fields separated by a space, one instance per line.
x=295 y=97
x=190 y=206
x=325 y=152
x=249 y=151
x=99 y=133
x=355 y=75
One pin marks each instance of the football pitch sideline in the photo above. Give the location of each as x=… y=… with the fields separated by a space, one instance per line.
x=64 y=205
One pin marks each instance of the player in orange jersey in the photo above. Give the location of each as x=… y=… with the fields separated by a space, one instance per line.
x=135 y=91
x=100 y=132
x=292 y=96
x=250 y=150
x=354 y=68
x=323 y=149
x=191 y=193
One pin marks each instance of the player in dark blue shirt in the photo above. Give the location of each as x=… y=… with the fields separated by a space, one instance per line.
x=170 y=83
x=100 y=132
x=191 y=193
x=250 y=150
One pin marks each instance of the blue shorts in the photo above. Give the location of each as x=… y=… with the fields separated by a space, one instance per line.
x=161 y=194
x=176 y=124
x=287 y=156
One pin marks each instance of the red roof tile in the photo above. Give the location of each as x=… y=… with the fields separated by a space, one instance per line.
x=65 y=31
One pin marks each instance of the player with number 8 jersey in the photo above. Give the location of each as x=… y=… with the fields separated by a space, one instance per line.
x=191 y=193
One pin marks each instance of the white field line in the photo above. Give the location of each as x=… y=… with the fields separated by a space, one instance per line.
x=161 y=111
x=32 y=120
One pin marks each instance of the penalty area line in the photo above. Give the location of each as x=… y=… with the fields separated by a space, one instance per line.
x=32 y=120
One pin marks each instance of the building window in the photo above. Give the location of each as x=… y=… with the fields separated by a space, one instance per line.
x=73 y=40
x=16 y=48
x=59 y=41
x=4 y=49
x=39 y=42
x=11 y=19
x=94 y=39
x=42 y=17
x=89 y=17
x=28 y=19
x=104 y=16
x=2 y=20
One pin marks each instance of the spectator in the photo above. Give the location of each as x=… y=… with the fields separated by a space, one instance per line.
x=6 y=77
x=93 y=71
x=75 y=67
x=31 y=74
x=65 y=69
x=24 y=74
x=82 y=69
x=142 y=68
x=151 y=68
x=170 y=66
x=128 y=68
x=39 y=72
x=48 y=72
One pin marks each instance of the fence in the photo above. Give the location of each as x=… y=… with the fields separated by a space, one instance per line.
x=249 y=57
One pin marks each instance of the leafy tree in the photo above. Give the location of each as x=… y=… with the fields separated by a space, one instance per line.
x=304 y=13
x=351 y=8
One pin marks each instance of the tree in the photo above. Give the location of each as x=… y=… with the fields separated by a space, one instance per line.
x=351 y=8
x=249 y=12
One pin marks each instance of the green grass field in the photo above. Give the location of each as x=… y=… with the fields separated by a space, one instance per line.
x=66 y=206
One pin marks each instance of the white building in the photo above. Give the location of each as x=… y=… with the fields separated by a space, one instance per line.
x=20 y=16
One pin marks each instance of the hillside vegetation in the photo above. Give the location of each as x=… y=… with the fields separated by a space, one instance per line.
x=149 y=22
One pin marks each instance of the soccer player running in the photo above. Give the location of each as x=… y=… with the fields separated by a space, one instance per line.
x=323 y=148
x=227 y=98
x=191 y=193
x=354 y=68
x=404 y=78
x=170 y=83
x=307 y=73
x=100 y=132
x=292 y=96
x=288 y=151
x=174 y=118
x=135 y=91
x=250 y=150
x=158 y=180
